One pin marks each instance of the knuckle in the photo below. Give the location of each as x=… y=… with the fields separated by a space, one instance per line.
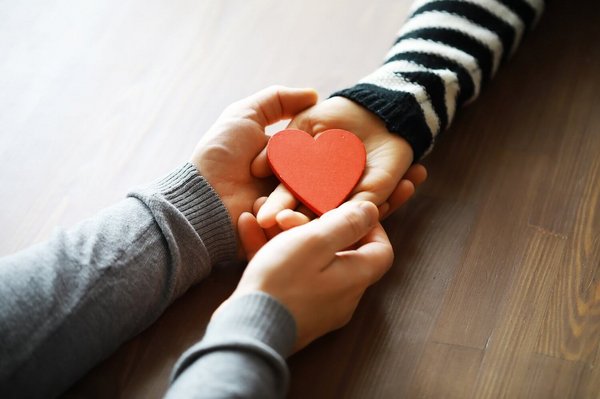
x=235 y=109
x=390 y=257
x=346 y=319
x=375 y=272
x=355 y=224
x=348 y=308
x=363 y=281
x=343 y=319
x=361 y=284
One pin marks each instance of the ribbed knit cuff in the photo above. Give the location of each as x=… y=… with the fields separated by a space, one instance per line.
x=191 y=194
x=258 y=316
x=400 y=112
x=255 y=323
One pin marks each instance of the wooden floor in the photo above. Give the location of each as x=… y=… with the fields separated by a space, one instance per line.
x=495 y=290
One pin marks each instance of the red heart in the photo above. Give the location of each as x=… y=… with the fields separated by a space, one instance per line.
x=320 y=171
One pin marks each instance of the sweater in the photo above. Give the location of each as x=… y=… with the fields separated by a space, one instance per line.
x=445 y=53
x=69 y=302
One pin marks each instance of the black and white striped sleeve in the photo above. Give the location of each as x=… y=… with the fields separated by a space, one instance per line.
x=444 y=54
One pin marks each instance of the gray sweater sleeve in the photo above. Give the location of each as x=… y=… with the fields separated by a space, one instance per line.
x=242 y=354
x=69 y=302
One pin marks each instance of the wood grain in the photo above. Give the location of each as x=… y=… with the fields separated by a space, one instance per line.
x=495 y=290
x=389 y=330
x=572 y=324
x=446 y=371
x=509 y=347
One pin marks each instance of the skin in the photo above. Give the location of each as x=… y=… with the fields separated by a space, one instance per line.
x=319 y=270
x=231 y=154
x=227 y=150
x=389 y=179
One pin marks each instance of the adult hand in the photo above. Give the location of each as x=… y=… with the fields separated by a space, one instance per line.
x=310 y=269
x=226 y=151
x=389 y=158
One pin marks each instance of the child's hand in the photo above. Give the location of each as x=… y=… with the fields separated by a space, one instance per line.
x=253 y=237
x=310 y=269
x=389 y=157
x=226 y=151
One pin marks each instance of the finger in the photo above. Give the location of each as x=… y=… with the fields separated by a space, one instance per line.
x=279 y=200
x=371 y=189
x=370 y=192
x=288 y=219
x=341 y=227
x=258 y=204
x=365 y=196
x=368 y=263
x=302 y=121
x=252 y=237
x=417 y=174
x=402 y=193
x=275 y=103
x=383 y=210
x=323 y=238
x=272 y=232
x=260 y=165
x=376 y=252
x=303 y=209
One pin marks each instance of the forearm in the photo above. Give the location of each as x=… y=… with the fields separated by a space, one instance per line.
x=69 y=302
x=242 y=354
x=445 y=53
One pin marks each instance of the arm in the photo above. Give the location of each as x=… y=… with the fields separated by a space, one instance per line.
x=434 y=67
x=446 y=52
x=69 y=302
x=242 y=353
x=302 y=284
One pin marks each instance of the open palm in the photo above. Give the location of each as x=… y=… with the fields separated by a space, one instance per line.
x=389 y=158
x=225 y=153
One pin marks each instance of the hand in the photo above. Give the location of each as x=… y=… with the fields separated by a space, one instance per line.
x=226 y=151
x=389 y=157
x=310 y=269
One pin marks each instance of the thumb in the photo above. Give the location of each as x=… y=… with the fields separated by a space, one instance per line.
x=302 y=121
x=338 y=229
x=275 y=103
x=317 y=243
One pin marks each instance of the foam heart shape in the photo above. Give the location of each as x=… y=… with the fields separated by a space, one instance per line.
x=320 y=172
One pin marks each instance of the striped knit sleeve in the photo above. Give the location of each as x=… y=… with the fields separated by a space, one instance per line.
x=445 y=53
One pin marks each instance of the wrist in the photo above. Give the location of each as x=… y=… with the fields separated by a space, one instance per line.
x=372 y=126
x=197 y=201
x=254 y=323
x=400 y=113
x=359 y=112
